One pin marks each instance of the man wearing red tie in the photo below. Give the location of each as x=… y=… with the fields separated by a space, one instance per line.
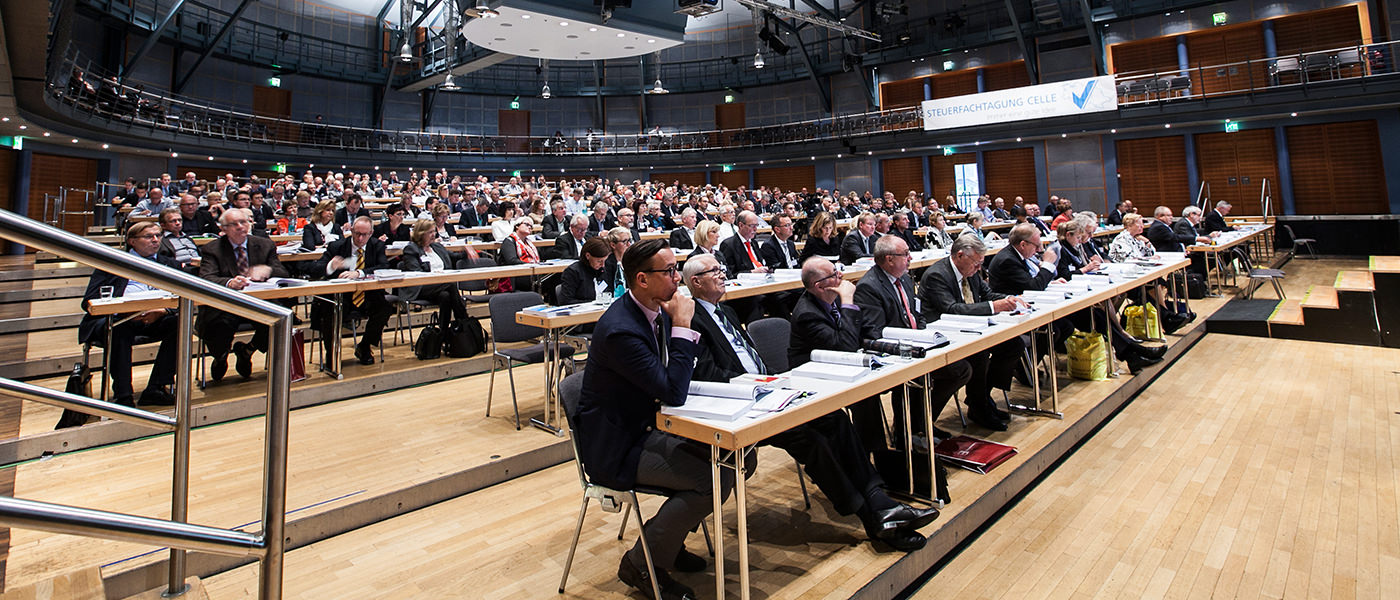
x=740 y=255
x=885 y=295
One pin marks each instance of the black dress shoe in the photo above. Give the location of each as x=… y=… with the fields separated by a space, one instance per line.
x=243 y=356
x=1004 y=416
x=1151 y=351
x=157 y=397
x=1171 y=323
x=940 y=434
x=903 y=540
x=218 y=368
x=986 y=419
x=689 y=562
x=637 y=578
x=906 y=517
x=124 y=400
x=1138 y=363
x=364 y=354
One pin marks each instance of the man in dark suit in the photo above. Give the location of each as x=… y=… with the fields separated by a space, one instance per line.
x=235 y=260
x=479 y=216
x=356 y=256
x=143 y=241
x=1215 y=220
x=683 y=237
x=569 y=244
x=885 y=295
x=1033 y=217
x=556 y=222
x=955 y=286
x=827 y=446
x=740 y=252
x=779 y=252
x=194 y=221
x=1186 y=227
x=601 y=220
x=860 y=240
x=1164 y=236
x=1122 y=207
x=1021 y=265
x=899 y=225
x=642 y=356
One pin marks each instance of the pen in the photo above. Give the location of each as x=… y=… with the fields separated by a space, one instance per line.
x=969 y=331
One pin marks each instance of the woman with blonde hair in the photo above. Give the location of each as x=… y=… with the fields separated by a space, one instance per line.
x=706 y=238
x=424 y=253
x=821 y=238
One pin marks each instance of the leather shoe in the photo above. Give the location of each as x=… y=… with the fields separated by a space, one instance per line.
x=906 y=517
x=364 y=354
x=637 y=578
x=244 y=359
x=1151 y=351
x=903 y=540
x=1004 y=416
x=986 y=419
x=689 y=562
x=1171 y=323
x=218 y=368
x=157 y=397
x=1138 y=363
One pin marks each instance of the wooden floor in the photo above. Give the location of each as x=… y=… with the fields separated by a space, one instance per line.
x=1252 y=468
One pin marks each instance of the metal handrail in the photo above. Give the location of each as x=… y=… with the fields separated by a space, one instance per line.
x=268 y=545
x=135 y=416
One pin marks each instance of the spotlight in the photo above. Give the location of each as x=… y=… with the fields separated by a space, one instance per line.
x=758 y=60
x=658 y=89
x=544 y=92
x=484 y=10
x=448 y=84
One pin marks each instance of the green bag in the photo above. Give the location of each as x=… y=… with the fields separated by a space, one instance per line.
x=1088 y=356
x=1143 y=322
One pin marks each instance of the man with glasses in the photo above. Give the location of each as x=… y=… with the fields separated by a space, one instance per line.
x=143 y=241
x=1022 y=265
x=356 y=256
x=642 y=356
x=194 y=221
x=175 y=243
x=235 y=260
x=885 y=295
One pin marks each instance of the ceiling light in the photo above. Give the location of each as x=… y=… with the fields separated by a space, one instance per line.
x=758 y=60
x=24 y=127
x=1113 y=131
x=245 y=161
x=544 y=91
x=6 y=119
x=1168 y=125
x=448 y=84
x=525 y=16
x=621 y=35
x=651 y=41
x=47 y=134
x=74 y=140
x=1290 y=114
x=1018 y=139
x=174 y=155
x=563 y=23
x=405 y=52
x=593 y=29
x=484 y=10
x=106 y=146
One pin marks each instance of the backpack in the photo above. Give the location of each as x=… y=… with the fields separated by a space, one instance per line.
x=429 y=344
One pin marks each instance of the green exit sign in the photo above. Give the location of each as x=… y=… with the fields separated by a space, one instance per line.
x=515 y=173
x=515 y=103
x=1219 y=18
x=279 y=168
x=948 y=151
x=274 y=82
x=726 y=168
x=1232 y=127
x=729 y=98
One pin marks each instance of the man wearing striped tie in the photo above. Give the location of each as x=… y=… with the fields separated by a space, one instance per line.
x=355 y=257
x=233 y=261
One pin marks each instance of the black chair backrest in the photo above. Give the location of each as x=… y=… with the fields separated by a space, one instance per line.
x=570 y=389
x=771 y=338
x=504 y=329
x=478 y=285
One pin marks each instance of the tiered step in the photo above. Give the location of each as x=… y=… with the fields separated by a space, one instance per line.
x=196 y=591
x=82 y=584
x=1385 y=273
x=1287 y=312
x=1344 y=312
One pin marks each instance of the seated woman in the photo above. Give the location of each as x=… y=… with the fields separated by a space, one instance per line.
x=821 y=238
x=445 y=230
x=589 y=278
x=974 y=226
x=424 y=253
x=938 y=236
x=619 y=239
x=706 y=238
x=503 y=227
x=1069 y=247
x=322 y=229
x=1131 y=244
x=517 y=248
x=393 y=229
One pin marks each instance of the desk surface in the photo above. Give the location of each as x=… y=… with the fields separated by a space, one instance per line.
x=1230 y=239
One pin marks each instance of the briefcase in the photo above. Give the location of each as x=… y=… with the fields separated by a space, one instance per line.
x=78 y=383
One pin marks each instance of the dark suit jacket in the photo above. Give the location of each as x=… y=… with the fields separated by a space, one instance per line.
x=343 y=247
x=1039 y=224
x=311 y=237
x=472 y=218
x=404 y=233
x=91 y=328
x=565 y=246
x=683 y=239
x=1008 y=274
x=716 y=360
x=342 y=217
x=1068 y=260
x=909 y=238
x=816 y=247
x=624 y=385
x=940 y=293
x=880 y=306
x=218 y=264
x=609 y=222
x=1214 y=222
x=413 y=260
x=813 y=329
x=1115 y=217
x=576 y=283
x=553 y=228
x=772 y=255
x=852 y=248
x=1183 y=228
x=1168 y=239
x=203 y=223
x=731 y=252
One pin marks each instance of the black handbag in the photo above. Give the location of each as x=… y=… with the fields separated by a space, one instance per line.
x=79 y=383
x=429 y=344
x=464 y=339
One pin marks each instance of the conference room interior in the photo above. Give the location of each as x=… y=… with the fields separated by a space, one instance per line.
x=1249 y=455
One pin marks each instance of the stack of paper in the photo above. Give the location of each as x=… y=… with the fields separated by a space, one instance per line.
x=714 y=400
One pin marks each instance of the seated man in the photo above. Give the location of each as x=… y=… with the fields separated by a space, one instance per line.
x=194 y=221
x=235 y=260
x=827 y=446
x=142 y=240
x=175 y=242
x=642 y=356
x=154 y=203
x=955 y=286
x=356 y=256
x=860 y=240
x=885 y=295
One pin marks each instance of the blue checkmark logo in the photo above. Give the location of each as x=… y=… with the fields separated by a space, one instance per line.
x=1080 y=99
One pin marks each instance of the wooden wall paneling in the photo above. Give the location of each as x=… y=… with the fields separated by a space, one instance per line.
x=514 y=125
x=957 y=83
x=204 y=172
x=1010 y=173
x=273 y=104
x=688 y=178
x=1336 y=169
x=728 y=116
x=1004 y=76
x=1150 y=55
x=732 y=180
x=8 y=162
x=899 y=175
x=1152 y=172
x=941 y=174
x=1235 y=165
x=1324 y=29
x=786 y=178
x=1218 y=58
x=902 y=94
x=49 y=172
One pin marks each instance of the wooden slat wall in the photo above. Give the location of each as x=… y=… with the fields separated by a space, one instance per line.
x=956 y=83
x=941 y=173
x=516 y=124
x=1004 y=76
x=1319 y=30
x=1152 y=172
x=1336 y=169
x=1151 y=55
x=786 y=178
x=899 y=175
x=732 y=180
x=689 y=178
x=1223 y=46
x=206 y=173
x=1235 y=165
x=902 y=94
x=728 y=116
x=276 y=103
x=48 y=172
x=1010 y=173
x=8 y=159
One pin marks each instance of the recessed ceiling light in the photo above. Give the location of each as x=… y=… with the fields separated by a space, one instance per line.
x=1064 y=135
x=1290 y=114
x=74 y=140
x=1113 y=131
x=593 y=29
x=760 y=162
x=526 y=16
x=621 y=35
x=1168 y=125
x=24 y=127
x=245 y=161
x=211 y=158
x=47 y=134
x=651 y=41
x=563 y=23
x=174 y=155
x=1018 y=139
x=6 y=119
x=869 y=153
x=106 y=146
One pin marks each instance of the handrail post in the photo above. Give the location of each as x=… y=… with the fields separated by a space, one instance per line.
x=180 y=481
x=275 y=455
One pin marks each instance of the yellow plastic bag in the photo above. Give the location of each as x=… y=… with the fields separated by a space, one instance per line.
x=1088 y=356
x=1144 y=322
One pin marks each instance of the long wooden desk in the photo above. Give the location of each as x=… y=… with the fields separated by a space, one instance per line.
x=738 y=437
x=1226 y=241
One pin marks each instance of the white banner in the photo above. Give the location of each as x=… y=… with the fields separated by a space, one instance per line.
x=1059 y=99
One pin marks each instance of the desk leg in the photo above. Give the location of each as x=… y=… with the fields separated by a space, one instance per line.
x=551 y=421
x=1108 y=340
x=1035 y=381
x=932 y=456
x=1053 y=367
x=331 y=364
x=741 y=512
x=716 y=488
x=1217 y=278
x=908 y=434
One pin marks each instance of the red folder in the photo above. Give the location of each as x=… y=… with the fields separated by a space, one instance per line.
x=973 y=454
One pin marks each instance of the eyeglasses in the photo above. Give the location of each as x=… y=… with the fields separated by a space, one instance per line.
x=833 y=275
x=149 y=236
x=718 y=270
x=669 y=271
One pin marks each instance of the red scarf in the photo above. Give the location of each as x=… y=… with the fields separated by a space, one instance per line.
x=526 y=251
